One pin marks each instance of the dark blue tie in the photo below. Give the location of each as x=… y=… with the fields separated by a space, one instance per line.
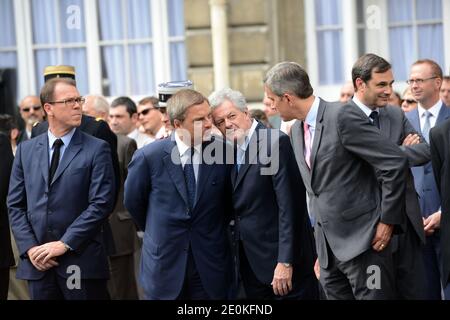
x=189 y=177
x=375 y=119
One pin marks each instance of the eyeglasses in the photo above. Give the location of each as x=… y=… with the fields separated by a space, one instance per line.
x=145 y=111
x=410 y=101
x=27 y=109
x=70 y=102
x=418 y=81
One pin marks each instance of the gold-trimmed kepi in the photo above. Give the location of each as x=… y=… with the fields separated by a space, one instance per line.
x=51 y=72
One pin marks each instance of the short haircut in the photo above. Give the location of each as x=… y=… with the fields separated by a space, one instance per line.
x=127 y=102
x=446 y=78
x=180 y=102
x=227 y=94
x=367 y=63
x=153 y=100
x=100 y=103
x=48 y=89
x=435 y=68
x=289 y=77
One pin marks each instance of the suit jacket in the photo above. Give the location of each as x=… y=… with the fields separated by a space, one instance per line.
x=440 y=158
x=424 y=180
x=122 y=226
x=271 y=216
x=156 y=197
x=6 y=160
x=357 y=179
x=99 y=129
x=395 y=126
x=72 y=209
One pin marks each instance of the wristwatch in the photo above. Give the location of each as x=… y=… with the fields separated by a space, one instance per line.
x=287 y=265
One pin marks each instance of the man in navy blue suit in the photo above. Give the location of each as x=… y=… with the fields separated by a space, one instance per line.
x=61 y=191
x=178 y=191
x=425 y=80
x=274 y=241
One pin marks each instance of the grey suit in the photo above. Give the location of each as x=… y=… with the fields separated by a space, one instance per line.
x=122 y=285
x=407 y=247
x=357 y=179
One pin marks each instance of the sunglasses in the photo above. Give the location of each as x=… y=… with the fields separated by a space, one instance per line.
x=145 y=111
x=27 y=109
x=410 y=101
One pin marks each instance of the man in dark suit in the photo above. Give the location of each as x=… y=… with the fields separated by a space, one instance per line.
x=274 y=242
x=31 y=112
x=407 y=247
x=6 y=254
x=440 y=158
x=425 y=80
x=354 y=177
x=61 y=191
x=178 y=191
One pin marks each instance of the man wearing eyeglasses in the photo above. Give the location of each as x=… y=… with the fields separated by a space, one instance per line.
x=31 y=112
x=425 y=81
x=61 y=192
x=151 y=118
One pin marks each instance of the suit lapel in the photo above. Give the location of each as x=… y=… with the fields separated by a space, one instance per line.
x=444 y=114
x=317 y=134
x=415 y=120
x=385 y=124
x=42 y=155
x=71 y=151
x=204 y=170
x=175 y=170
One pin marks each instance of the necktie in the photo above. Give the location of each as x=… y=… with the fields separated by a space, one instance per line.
x=307 y=136
x=426 y=126
x=55 y=159
x=189 y=177
x=375 y=119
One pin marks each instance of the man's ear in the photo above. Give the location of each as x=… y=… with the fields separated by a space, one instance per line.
x=359 y=83
x=176 y=123
x=48 y=109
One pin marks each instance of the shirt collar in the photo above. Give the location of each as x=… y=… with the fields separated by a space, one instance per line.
x=65 y=138
x=434 y=110
x=183 y=147
x=249 y=135
x=367 y=111
x=311 y=117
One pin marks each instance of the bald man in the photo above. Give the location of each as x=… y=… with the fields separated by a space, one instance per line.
x=31 y=112
x=96 y=106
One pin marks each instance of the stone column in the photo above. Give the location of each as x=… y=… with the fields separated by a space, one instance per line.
x=219 y=27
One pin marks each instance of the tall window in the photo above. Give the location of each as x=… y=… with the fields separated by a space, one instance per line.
x=415 y=32
x=59 y=37
x=329 y=41
x=8 y=50
x=175 y=13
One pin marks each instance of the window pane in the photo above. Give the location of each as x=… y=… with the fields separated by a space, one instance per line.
x=401 y=48
x=175 y=12
x=110 y=19
x=8 y=60
x=330 y=57
x=72 y=20
x=139 y=19
x=431 y=42
x=44 y=17
x=113 y=71
x=428 y=9
x=141 y=70
x=42 y=59
x=400 y=10
x=328 y=12
x=178 y=61
x=7 y=27
x=77 y=58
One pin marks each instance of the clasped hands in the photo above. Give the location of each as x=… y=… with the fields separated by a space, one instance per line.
x=43 y=257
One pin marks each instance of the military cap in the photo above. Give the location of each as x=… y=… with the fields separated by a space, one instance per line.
x=168 y=89
x=51 y=72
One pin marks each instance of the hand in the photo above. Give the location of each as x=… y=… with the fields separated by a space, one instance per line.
x=431 y=223
x=282 y=280
x=382 y=236
x=411 y=139
x=317 y=269
x=48 y=251
x=39 y=264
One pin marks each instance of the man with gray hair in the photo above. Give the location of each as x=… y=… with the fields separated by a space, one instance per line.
x=274 y=245
x=96 y=106
x=355 y=179
x=178 y=191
